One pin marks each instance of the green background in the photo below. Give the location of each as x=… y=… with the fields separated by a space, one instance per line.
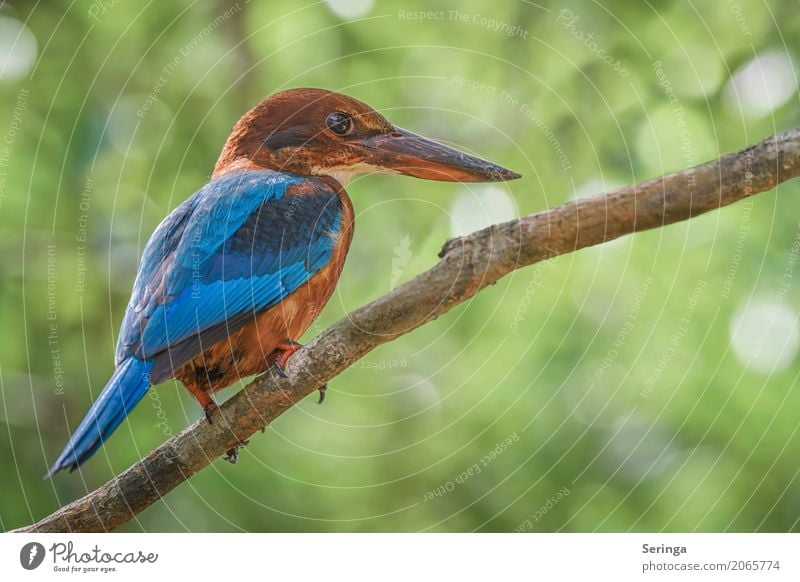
x=648 y=384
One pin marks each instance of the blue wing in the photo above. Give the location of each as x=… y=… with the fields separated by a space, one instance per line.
x=238 y=246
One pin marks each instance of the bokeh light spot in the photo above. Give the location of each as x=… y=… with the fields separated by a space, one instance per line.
x=764 y=336
x=761 y=85
x=17 y=49
x=480 y=207
x=350 y=8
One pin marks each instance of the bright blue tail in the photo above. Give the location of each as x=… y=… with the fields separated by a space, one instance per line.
x=123 y=391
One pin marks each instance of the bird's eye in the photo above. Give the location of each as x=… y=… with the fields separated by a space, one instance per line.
x=339 y=123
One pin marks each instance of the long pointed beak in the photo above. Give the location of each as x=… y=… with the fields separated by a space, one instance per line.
x=413 y=155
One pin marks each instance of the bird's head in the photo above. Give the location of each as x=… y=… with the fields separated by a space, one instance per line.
x=313 y=132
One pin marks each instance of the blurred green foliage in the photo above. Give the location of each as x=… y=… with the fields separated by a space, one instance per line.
x=651 y=381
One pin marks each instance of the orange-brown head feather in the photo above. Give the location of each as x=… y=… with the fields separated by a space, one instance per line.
x=315 y=132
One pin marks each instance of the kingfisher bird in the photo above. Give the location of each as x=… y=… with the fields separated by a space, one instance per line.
x=234 y=276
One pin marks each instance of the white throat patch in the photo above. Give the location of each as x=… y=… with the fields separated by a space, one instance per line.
x=343 y=174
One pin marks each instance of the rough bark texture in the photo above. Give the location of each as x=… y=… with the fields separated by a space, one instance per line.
x=467 y=265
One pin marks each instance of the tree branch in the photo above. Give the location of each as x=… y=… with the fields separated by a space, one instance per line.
x=467 y=265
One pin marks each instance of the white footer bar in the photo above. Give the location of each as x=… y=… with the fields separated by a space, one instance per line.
x=388 y=557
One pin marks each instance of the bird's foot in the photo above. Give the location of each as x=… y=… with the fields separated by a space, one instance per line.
x=209 y=409
x=287 y=348
x=232 y=456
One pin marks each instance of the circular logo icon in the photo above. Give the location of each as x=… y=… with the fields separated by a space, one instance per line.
x=31 y=555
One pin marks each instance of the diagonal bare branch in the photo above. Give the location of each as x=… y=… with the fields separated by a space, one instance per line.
x=467 y=265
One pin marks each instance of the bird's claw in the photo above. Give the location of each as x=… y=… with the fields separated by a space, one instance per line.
x=209 y=409
x=279 y=370
x=286 y=349
x=232 y=456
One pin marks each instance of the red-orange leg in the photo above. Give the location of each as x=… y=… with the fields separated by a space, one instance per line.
x=204 y=398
